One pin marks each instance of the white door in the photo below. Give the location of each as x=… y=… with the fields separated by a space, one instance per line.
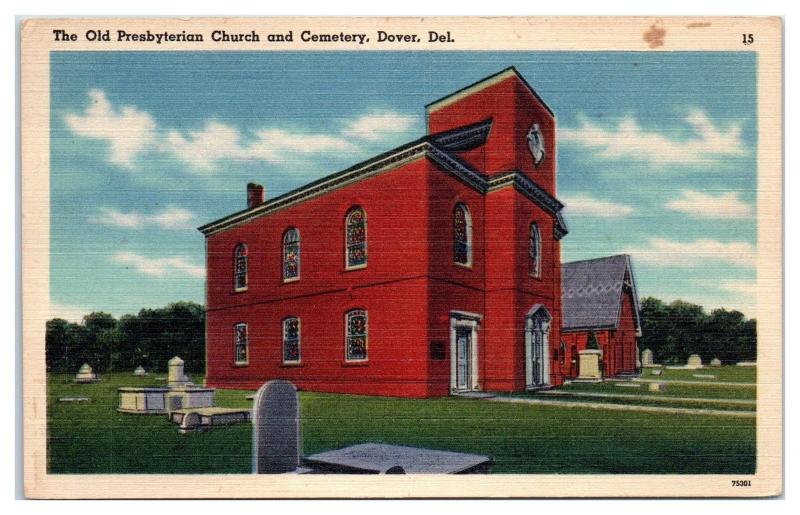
x=537 y=347
x=463 y=351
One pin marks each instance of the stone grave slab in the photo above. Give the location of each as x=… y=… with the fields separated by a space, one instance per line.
x=380 y=458
x=200 y=419
x=73 y=399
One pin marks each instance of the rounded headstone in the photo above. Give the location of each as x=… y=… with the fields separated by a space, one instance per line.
x=85 y=369
x=276 y=428
x=190 y=422
x=139 y=371
x=716 y=362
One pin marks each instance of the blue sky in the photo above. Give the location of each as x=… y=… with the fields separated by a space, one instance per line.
x=656 y=157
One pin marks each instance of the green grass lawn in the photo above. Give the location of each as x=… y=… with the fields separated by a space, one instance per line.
x=93 y=438
x=726 y=374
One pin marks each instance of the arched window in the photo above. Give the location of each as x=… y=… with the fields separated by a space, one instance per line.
x=356 y=238
x=356 y=335
x=240 y=267
x=240 y=344
x=291 y=254
x=291 y=340
x=462 y=235
x=535 y=252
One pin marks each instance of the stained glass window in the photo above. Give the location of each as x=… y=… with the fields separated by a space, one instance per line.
x=535 y=251
x=240 y=267
x=291 y=340
x=356 y=345
x=240 y=344
x=291 y=254
x=356 y=235
x=462 y=235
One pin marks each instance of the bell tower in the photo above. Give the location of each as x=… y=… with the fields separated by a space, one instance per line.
x=523 y=127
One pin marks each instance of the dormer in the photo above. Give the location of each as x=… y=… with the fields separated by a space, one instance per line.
x=522 y=127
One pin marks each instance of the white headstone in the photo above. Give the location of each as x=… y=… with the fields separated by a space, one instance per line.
x=694 y=361
x=139 y=371
x=647 y=358
x=85 y=374
x=658 y=387
x=276 y=428
x=716 y=362
x=656 y=371
x=176 y=376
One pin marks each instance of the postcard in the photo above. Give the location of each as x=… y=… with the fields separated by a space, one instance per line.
x=402 y=257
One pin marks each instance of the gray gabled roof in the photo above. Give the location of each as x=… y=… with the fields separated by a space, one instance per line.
x=592 y=293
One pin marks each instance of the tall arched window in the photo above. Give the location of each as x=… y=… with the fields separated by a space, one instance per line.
x=291 y=340
x=535 y=252
x=240 y=267
x=291 y=254
x=462 y=235
x=356 y=335
x=356 y=238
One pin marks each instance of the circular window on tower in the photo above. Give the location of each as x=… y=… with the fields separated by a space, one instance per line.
x=536 y=143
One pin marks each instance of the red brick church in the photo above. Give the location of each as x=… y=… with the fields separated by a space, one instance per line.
x=431 y=269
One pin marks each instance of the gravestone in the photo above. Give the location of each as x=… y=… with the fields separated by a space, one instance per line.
x=139 y=372
x=589 y=365
x=85 y=375
x=694 y=361
x=658 y=387
x=656 y=371
x=176 y=377
x=190 y=423
x=716 y=362
x=276 y=428
x=647 y=358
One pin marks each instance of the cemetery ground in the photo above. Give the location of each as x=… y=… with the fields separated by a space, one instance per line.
x=92 y=437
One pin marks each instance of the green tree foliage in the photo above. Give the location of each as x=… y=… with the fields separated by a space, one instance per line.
x=676 y=330
x=592 y=342
x=149 y=339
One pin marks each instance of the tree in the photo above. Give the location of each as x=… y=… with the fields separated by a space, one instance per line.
x=150 y=339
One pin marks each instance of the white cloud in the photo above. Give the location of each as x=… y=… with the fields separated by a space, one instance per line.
x=170 y=217
x=159 y=267
x=590 y=206
x=702 y=140
x=378 y=125
x=695 y=253
x=128 y=130
x=704 y=205
x=132 y=132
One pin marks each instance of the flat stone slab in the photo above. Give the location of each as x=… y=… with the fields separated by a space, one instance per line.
x=212 y=416
x=379 y=458
x=73 y=399
x=705 y=376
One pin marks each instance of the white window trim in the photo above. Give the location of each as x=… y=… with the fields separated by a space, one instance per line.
x=299 y=341
x=283 y=256
x=237 y=288
x=347 y=265
x=347 y=335
x=246 y=345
